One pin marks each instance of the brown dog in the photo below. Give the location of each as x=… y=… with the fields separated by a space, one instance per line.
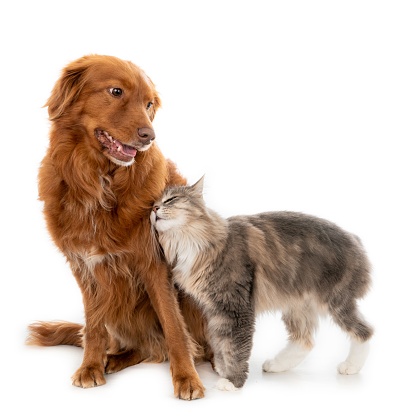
x=99 y=180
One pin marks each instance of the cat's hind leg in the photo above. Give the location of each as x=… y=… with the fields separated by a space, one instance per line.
x=356 y=359
x=301 y=323
x=347 y=316
x=289 y=357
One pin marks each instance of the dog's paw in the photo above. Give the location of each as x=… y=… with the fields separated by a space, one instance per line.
x=89 y=376
x=225 y=385
x=188 y=388
x=117 y=362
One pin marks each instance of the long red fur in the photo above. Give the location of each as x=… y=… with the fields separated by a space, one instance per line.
x=97 y=213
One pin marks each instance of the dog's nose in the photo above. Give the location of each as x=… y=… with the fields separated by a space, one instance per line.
x=146 y=135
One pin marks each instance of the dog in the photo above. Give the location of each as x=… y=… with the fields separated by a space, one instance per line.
x=98 y=181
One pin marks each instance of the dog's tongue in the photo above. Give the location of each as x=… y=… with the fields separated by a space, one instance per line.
x=115 y=148
x=125 y=149
x=121 y=151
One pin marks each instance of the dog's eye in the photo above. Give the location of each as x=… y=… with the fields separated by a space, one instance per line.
x=149 y=105
x=117 y=92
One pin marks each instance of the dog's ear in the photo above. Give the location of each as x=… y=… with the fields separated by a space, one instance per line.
x=157 y=102
x=67 y=88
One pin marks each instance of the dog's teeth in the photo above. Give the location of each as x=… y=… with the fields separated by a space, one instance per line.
x=108 y=136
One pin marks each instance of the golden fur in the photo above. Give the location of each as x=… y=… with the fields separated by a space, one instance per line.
x=97 y=210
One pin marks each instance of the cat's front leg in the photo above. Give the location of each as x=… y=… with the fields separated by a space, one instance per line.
x=219 y=365
x=231 y=336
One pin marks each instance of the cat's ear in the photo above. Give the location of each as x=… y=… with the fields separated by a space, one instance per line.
x=198 y=187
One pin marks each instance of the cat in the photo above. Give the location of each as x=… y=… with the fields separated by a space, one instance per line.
x=239 y=267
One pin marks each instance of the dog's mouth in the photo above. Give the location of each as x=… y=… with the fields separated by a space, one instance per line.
x=114 y=149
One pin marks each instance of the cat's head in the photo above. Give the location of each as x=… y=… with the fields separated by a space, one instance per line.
x=178 y=207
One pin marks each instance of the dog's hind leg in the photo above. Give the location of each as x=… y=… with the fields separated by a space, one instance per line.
x=117 y=362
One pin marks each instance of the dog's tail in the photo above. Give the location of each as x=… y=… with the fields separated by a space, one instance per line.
x=48 y=334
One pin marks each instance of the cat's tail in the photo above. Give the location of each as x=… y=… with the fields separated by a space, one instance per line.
x=48 y=334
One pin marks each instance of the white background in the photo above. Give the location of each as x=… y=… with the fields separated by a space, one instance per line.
x=294 y=105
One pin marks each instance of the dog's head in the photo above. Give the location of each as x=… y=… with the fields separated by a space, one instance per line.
x=111 y=100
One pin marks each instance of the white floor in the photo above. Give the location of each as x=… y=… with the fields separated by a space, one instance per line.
x=39 y=379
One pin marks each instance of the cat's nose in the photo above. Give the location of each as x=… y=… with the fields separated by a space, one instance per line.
x=155 y=208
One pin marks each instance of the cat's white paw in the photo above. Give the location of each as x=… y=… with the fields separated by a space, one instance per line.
x=356 y=358
x=348 y=368
x=275 y=366
x=286 y=359
x=225 y=385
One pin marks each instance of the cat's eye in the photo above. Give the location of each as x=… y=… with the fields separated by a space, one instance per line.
x=116 y=92
x=167 y=201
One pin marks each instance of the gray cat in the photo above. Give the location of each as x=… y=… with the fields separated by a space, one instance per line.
x=238 y=267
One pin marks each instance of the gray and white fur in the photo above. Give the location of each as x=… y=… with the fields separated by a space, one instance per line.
x=239 y=267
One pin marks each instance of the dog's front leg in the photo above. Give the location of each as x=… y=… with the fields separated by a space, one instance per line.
x=91 y=372
x=95 y=340
x=186 y=382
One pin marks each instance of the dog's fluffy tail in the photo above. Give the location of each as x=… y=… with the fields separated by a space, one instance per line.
x=48 y=334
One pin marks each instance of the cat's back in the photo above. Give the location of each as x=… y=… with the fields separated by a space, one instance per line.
x=293 y=227
x=294 y=253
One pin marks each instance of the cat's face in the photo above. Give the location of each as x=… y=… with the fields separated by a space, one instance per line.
x=178 y=207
